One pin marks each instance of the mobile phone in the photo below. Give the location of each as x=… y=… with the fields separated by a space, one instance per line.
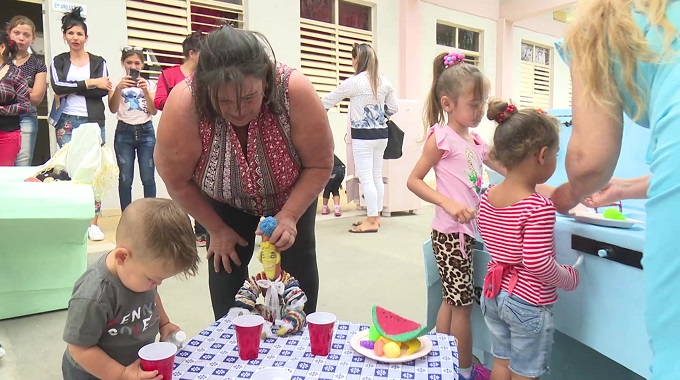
x=134 y=74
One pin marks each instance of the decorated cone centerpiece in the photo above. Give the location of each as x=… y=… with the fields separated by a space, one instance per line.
x=282 y=308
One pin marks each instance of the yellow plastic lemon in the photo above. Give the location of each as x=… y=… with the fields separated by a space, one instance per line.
x=392 y=350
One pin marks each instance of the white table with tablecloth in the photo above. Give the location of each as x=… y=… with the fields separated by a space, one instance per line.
x=212 y=355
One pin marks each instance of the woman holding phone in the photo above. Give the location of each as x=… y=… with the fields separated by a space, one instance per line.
x=132 y=101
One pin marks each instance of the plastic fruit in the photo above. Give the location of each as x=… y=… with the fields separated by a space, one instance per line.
x=413 y=346
x=395 y=327
x=378 y=347
x=373 y=334
x=392 y=350
x=613 y=214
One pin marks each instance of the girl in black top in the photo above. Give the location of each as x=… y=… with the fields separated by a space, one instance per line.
x=21 y=30
x=14 y=102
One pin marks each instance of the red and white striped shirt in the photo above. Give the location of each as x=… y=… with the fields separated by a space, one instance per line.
x=520 y=239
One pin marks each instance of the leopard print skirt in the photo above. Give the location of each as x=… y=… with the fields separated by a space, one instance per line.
x=453 y=253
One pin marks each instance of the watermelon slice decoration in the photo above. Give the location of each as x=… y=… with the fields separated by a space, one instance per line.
x=395 y=327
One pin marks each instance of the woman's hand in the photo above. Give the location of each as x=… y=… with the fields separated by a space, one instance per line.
x=460 y=213
x=102 y=83
x=222 y=248
x=611 y=193
x=284 y=234
x=125 y=82
x=564 y=199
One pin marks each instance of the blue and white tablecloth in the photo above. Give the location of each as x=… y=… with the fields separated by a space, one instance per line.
x=213 y=355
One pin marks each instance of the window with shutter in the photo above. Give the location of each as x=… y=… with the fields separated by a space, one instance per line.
x=464 y=40
x=160 y=26
x=328 y=31
x=535 y=77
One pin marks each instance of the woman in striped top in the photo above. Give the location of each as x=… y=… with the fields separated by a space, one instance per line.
x=517 y=226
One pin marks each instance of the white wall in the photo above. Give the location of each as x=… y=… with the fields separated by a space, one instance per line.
x=560 y=71
x=279 y=21
x=430 y=14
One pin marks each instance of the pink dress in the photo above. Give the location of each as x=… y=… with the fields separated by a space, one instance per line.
x=459 y=176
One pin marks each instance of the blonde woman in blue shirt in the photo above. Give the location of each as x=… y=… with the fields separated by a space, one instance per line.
x=624 y=59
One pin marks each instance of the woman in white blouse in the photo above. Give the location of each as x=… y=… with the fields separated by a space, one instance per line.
x=371 y=101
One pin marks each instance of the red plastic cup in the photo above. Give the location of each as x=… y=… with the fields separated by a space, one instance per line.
x=320 y=325
x=159 y=356
x=248 y=332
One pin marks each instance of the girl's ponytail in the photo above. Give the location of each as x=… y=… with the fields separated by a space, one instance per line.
x=433 y=110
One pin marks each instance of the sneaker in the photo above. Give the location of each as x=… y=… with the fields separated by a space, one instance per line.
x=95 y=233
x=201 y=240
x=325 y=210
x=337 y=212
x=479 y=372
x=2 y=350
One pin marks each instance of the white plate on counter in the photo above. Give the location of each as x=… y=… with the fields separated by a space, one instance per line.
x=600 y=220
x=425 y=348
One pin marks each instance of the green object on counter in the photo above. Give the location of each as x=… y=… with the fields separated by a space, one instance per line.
x=43 y=242
x=613 y=214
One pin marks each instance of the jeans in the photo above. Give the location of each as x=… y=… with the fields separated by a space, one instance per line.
x=29 y=133
x=66 y=125
x=128 y=140
x=10 y=144
x=333 y=185
x=368 y=159
x=521 y=332
x=64 y=130
x=298 y=260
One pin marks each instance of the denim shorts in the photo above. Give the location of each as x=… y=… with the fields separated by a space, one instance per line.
x=521 y=332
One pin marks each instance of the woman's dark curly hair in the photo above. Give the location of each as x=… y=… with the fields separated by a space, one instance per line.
x=227 y=56
x=73 y=18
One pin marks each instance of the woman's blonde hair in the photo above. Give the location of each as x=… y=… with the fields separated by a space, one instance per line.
x=367 y=61
x=604 y=31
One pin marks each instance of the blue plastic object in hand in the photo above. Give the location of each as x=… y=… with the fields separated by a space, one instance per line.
x=267 y=225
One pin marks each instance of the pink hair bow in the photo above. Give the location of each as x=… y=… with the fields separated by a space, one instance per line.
x=453 y=58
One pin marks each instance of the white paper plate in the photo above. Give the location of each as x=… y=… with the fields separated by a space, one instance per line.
x=425 y=348
x=600 y=220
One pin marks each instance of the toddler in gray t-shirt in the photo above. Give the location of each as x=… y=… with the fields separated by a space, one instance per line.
x=115 y=308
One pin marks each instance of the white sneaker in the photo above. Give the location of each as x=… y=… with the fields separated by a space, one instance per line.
x=2 y=350
x=95 y=233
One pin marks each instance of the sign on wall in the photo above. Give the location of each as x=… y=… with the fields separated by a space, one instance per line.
x=65 y=7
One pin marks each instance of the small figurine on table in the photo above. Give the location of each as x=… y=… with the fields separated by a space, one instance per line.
x=283 y=299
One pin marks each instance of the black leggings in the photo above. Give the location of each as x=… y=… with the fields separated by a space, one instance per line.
x=333 y=185
x=298 y=260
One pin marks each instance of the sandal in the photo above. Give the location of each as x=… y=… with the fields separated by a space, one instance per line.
x=357 y=224
x=359 y=230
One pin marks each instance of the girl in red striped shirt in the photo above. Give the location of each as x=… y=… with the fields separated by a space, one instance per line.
x=517 y=226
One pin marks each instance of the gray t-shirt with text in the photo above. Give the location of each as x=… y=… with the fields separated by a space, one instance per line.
x=103 y=312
